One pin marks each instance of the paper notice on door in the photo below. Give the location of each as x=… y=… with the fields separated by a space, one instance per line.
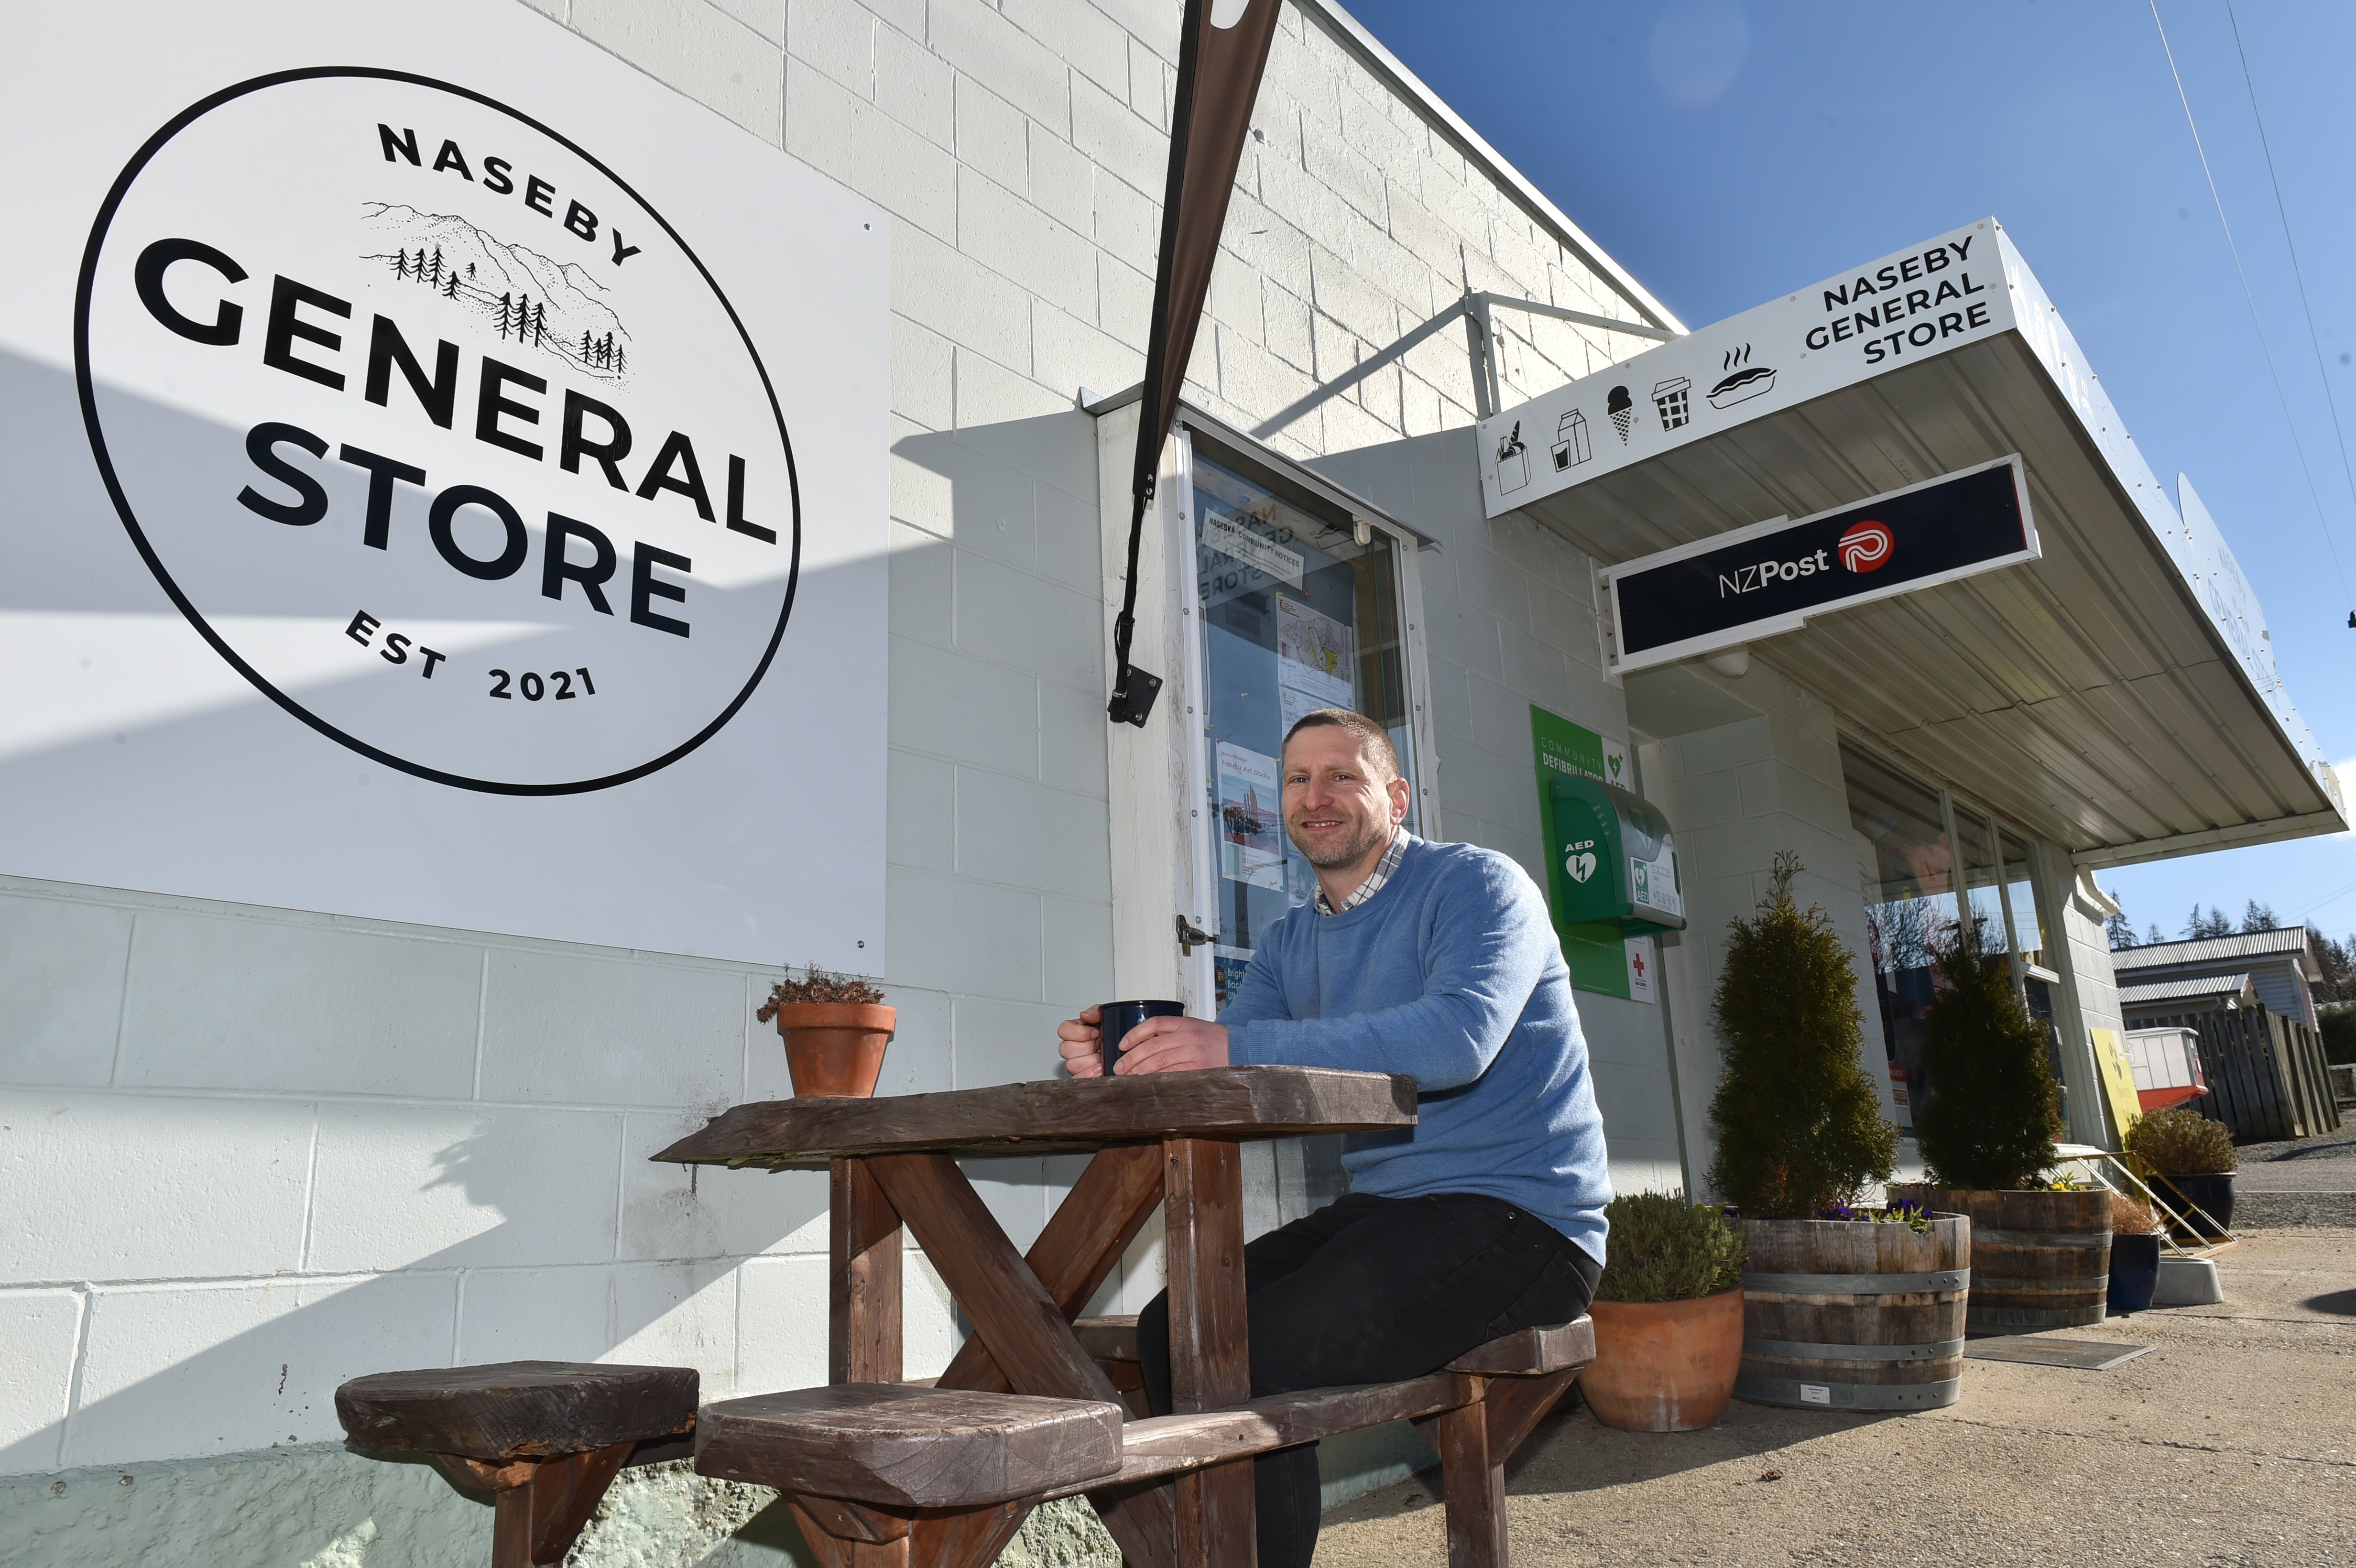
x=1292 y=704
x=1314 y=654
x=1251 y=820
x=1234 y=540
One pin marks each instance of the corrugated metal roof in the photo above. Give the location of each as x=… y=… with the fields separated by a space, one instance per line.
x=2177 y=990
x=2289 y=941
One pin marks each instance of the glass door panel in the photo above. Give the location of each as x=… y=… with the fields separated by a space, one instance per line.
x=1296 y=615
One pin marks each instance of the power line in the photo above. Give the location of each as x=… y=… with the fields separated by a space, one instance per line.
x=2298 y=446
x=2313 y=338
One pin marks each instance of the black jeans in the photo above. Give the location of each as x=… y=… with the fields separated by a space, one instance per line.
x=1374 y=1290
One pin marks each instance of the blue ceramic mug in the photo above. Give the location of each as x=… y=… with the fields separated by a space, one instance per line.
x=1120 y=1017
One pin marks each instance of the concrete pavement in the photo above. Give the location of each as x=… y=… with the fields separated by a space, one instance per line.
x=2233 y=1442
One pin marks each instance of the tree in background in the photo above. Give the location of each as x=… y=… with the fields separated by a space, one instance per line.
x=1991 y=1113
x=2256 y=916
x=2337 y=962
x=2152 y=938
x=2120 y=929
x=1799 y=1129
x=2214 y=924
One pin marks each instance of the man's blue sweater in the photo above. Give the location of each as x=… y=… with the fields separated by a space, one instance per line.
x=1453 y=975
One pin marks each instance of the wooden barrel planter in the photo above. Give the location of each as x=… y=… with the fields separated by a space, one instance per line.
x=1852 y=1315
x=2039 y=1260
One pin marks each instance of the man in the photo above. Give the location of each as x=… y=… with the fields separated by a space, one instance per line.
x=1433 y=960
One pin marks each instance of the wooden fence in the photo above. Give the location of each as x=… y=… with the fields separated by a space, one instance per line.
x=2268 y=1078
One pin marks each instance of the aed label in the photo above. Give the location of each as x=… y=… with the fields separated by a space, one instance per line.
x=349 y=337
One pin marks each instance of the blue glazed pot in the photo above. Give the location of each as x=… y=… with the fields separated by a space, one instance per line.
x=2135 y=1272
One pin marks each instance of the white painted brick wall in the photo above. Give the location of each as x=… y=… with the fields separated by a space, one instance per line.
x=261 y=1152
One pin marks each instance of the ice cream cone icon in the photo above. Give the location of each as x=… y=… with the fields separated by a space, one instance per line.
x=1622 y=410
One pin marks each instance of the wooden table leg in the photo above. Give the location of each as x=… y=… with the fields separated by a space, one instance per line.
x=1076 y=1254
x=1473 y=1443
x=864 y=1282
x=1210 y=1357
x=539 y=1506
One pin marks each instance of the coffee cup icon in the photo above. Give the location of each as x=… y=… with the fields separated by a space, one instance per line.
x=1671 y=398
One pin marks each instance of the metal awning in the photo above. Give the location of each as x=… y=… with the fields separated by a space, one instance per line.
x=2116 y=696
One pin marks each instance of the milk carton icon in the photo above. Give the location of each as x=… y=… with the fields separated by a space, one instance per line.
x=1513 y=462
x=1570 y=447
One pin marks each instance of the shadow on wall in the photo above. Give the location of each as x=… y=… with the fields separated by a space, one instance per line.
x=269 y=1351
x=285 y=1347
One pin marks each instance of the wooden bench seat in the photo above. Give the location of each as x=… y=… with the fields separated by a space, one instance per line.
x=545 y=1438
x=1474 y=1412
x=900 y=1475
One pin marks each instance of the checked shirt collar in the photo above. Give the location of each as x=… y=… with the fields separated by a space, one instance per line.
x=1381 y=873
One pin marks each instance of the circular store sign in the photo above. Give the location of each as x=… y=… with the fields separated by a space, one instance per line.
x=437 y=432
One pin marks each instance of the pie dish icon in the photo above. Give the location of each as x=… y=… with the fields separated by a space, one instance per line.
x=1744 y=381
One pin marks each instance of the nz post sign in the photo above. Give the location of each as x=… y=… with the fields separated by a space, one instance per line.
x=1772 y=577
x=1924 y=301
x=444 y=482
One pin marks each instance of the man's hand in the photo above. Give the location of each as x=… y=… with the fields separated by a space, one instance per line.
x=1171 y=1045
x=1082 y=1042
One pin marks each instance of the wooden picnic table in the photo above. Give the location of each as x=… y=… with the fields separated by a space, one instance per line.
x=1172 y=1139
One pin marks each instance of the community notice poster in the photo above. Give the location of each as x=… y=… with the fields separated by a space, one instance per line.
x=1600 y=959
x=1251 y=818
x=448 y=488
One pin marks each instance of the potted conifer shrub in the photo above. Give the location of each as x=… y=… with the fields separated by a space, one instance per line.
x=2041 y=1254
x=2192 y=1160
x=1842 y=1307
x=835 y=1029
x=1668 y=1317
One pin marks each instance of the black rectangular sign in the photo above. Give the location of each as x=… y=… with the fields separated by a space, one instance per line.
x=1771 y=578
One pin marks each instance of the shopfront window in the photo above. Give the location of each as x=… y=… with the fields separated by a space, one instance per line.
x=1906 y=867
x=2029 y=930
x=1982 y=878
x=1295 y=615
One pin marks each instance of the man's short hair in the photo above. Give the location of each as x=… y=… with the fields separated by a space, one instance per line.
x=1373 y=741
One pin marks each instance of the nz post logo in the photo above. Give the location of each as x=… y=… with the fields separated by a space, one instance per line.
x=1865 y=547
x=437 y=432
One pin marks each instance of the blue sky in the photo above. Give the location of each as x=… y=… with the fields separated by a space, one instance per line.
x=1726 y=152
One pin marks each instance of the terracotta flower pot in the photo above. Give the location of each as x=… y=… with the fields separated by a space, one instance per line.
x=834 y=1050
x=1664 y=1366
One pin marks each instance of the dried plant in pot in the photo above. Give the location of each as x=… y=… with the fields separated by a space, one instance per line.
x=2190 y=1160
x=835 y=1029
x=2041 y=1251
x=2135 y=1254
x=1800 y=1138
x=1668 y=1317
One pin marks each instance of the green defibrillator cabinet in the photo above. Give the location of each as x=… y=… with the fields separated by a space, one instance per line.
x=1614 y=860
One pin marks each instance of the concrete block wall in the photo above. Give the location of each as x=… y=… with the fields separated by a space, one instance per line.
x=264 y=1150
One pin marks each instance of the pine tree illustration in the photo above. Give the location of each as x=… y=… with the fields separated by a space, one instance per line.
x=437 y=266
x=584 y=345
x=617 y=361
x=538 y=324
x=507 y=303
x=400 y=263
x=451 y=292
